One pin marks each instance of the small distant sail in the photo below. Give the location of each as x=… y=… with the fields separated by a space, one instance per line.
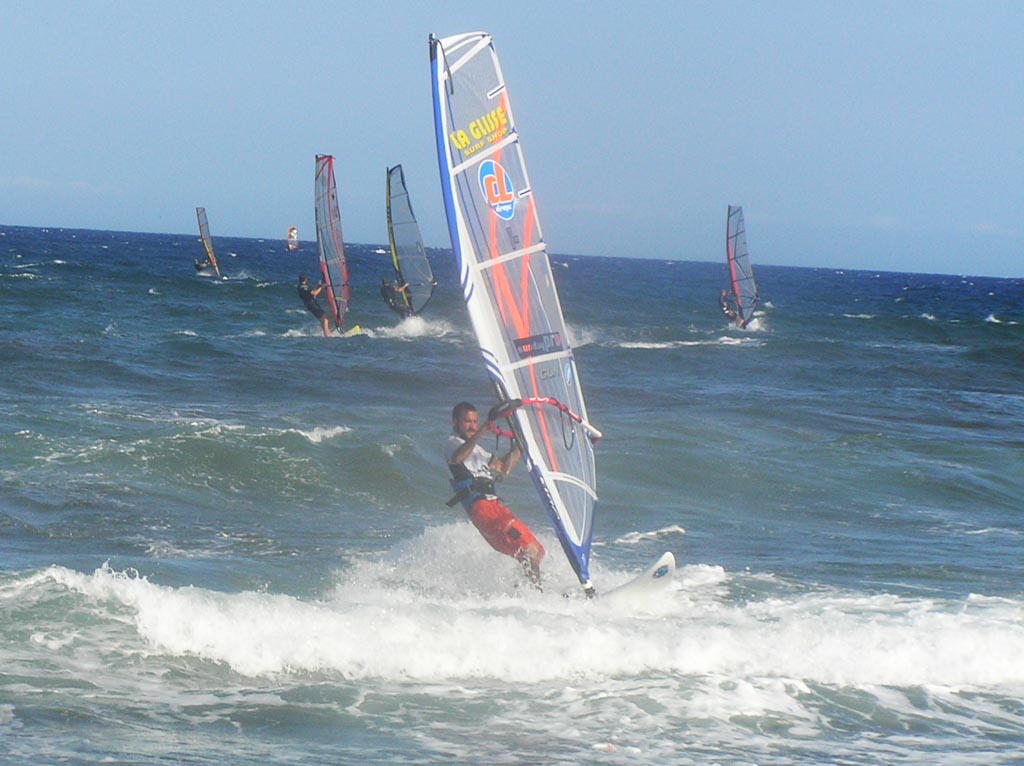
x=204 y=234
x=293 y=238
x=509 y=287
x=329 y=240
x=412 y=267
x=741 y=273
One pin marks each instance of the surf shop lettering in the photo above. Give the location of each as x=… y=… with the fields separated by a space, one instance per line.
x=483 y=130
x=539 y=344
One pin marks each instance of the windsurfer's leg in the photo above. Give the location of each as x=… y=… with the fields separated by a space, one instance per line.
x=507 y=534
x=528 y=551
x=530 y=557
x=325 y=323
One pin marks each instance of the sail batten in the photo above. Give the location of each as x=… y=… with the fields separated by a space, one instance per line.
x=508 y=284
x=329 y=239
x=408 y=256
x=491 y=263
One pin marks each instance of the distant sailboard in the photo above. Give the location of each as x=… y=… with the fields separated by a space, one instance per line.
x=329 y=240
x=293 y=238
x=204 y=234
x=741 y=273
x=412 y=268
x=509 y=288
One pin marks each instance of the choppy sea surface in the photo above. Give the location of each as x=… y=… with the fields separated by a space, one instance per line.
x=223 y=537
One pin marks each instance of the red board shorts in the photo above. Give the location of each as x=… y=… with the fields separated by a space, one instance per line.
x=505 y=533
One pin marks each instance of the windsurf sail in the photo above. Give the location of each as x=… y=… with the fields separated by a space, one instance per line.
x=509 y=287
x=293 y=238
x=204 y=234
x=329 y=240
x=741 y=273
x=407 y=254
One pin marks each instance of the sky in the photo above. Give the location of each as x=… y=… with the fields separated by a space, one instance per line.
x=859 y=135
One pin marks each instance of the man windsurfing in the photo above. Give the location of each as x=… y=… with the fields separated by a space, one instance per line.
x=474 y=473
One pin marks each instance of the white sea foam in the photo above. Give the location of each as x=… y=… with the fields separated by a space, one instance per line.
x=411 y=328
x=724 y=340
x=422 y=615
x=311 y=331
x=581 y=336
x=993 y=319
x=8 y=719
x=638 y=537
x=318 y=434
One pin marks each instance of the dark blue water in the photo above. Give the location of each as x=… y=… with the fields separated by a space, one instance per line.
x=223 y=537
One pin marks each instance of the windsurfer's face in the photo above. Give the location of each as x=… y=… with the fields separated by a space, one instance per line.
x=468 y=424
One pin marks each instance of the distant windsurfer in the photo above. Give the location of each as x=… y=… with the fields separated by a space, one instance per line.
x=727 y=308
x=200 y=266
x=308 y=295
x=474 y=472
x=394 y=295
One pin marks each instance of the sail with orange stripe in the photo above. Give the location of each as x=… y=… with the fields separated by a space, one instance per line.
x=329 y=240
x=741 y=273
x=508 y=284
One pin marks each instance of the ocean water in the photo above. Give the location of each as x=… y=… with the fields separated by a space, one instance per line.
x=223 y=537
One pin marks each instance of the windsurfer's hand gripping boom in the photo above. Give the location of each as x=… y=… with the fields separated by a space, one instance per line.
x=505 y=410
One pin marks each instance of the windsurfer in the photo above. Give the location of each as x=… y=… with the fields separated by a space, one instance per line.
x=727 y=308
x=308 y=295
x=474 y=472
x=394 y=295
x=200 y=266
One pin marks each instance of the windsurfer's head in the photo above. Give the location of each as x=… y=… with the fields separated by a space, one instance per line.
x=465 y=419
x=302 y=279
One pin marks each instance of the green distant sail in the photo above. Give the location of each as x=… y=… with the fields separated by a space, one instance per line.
x=407 y=254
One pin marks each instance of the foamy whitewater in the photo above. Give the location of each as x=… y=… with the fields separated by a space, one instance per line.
x=225 y=540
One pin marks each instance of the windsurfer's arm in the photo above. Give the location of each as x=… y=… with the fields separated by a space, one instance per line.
x=460 y=455
x=507 y=462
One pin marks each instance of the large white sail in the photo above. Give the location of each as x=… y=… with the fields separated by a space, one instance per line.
x=508 y=284
x=741 y=273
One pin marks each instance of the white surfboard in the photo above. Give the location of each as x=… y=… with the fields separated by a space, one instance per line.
x=655 y=579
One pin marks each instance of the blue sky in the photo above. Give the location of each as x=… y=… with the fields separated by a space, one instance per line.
x=877 y=135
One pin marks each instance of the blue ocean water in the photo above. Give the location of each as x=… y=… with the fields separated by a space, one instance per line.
x=223 y=537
